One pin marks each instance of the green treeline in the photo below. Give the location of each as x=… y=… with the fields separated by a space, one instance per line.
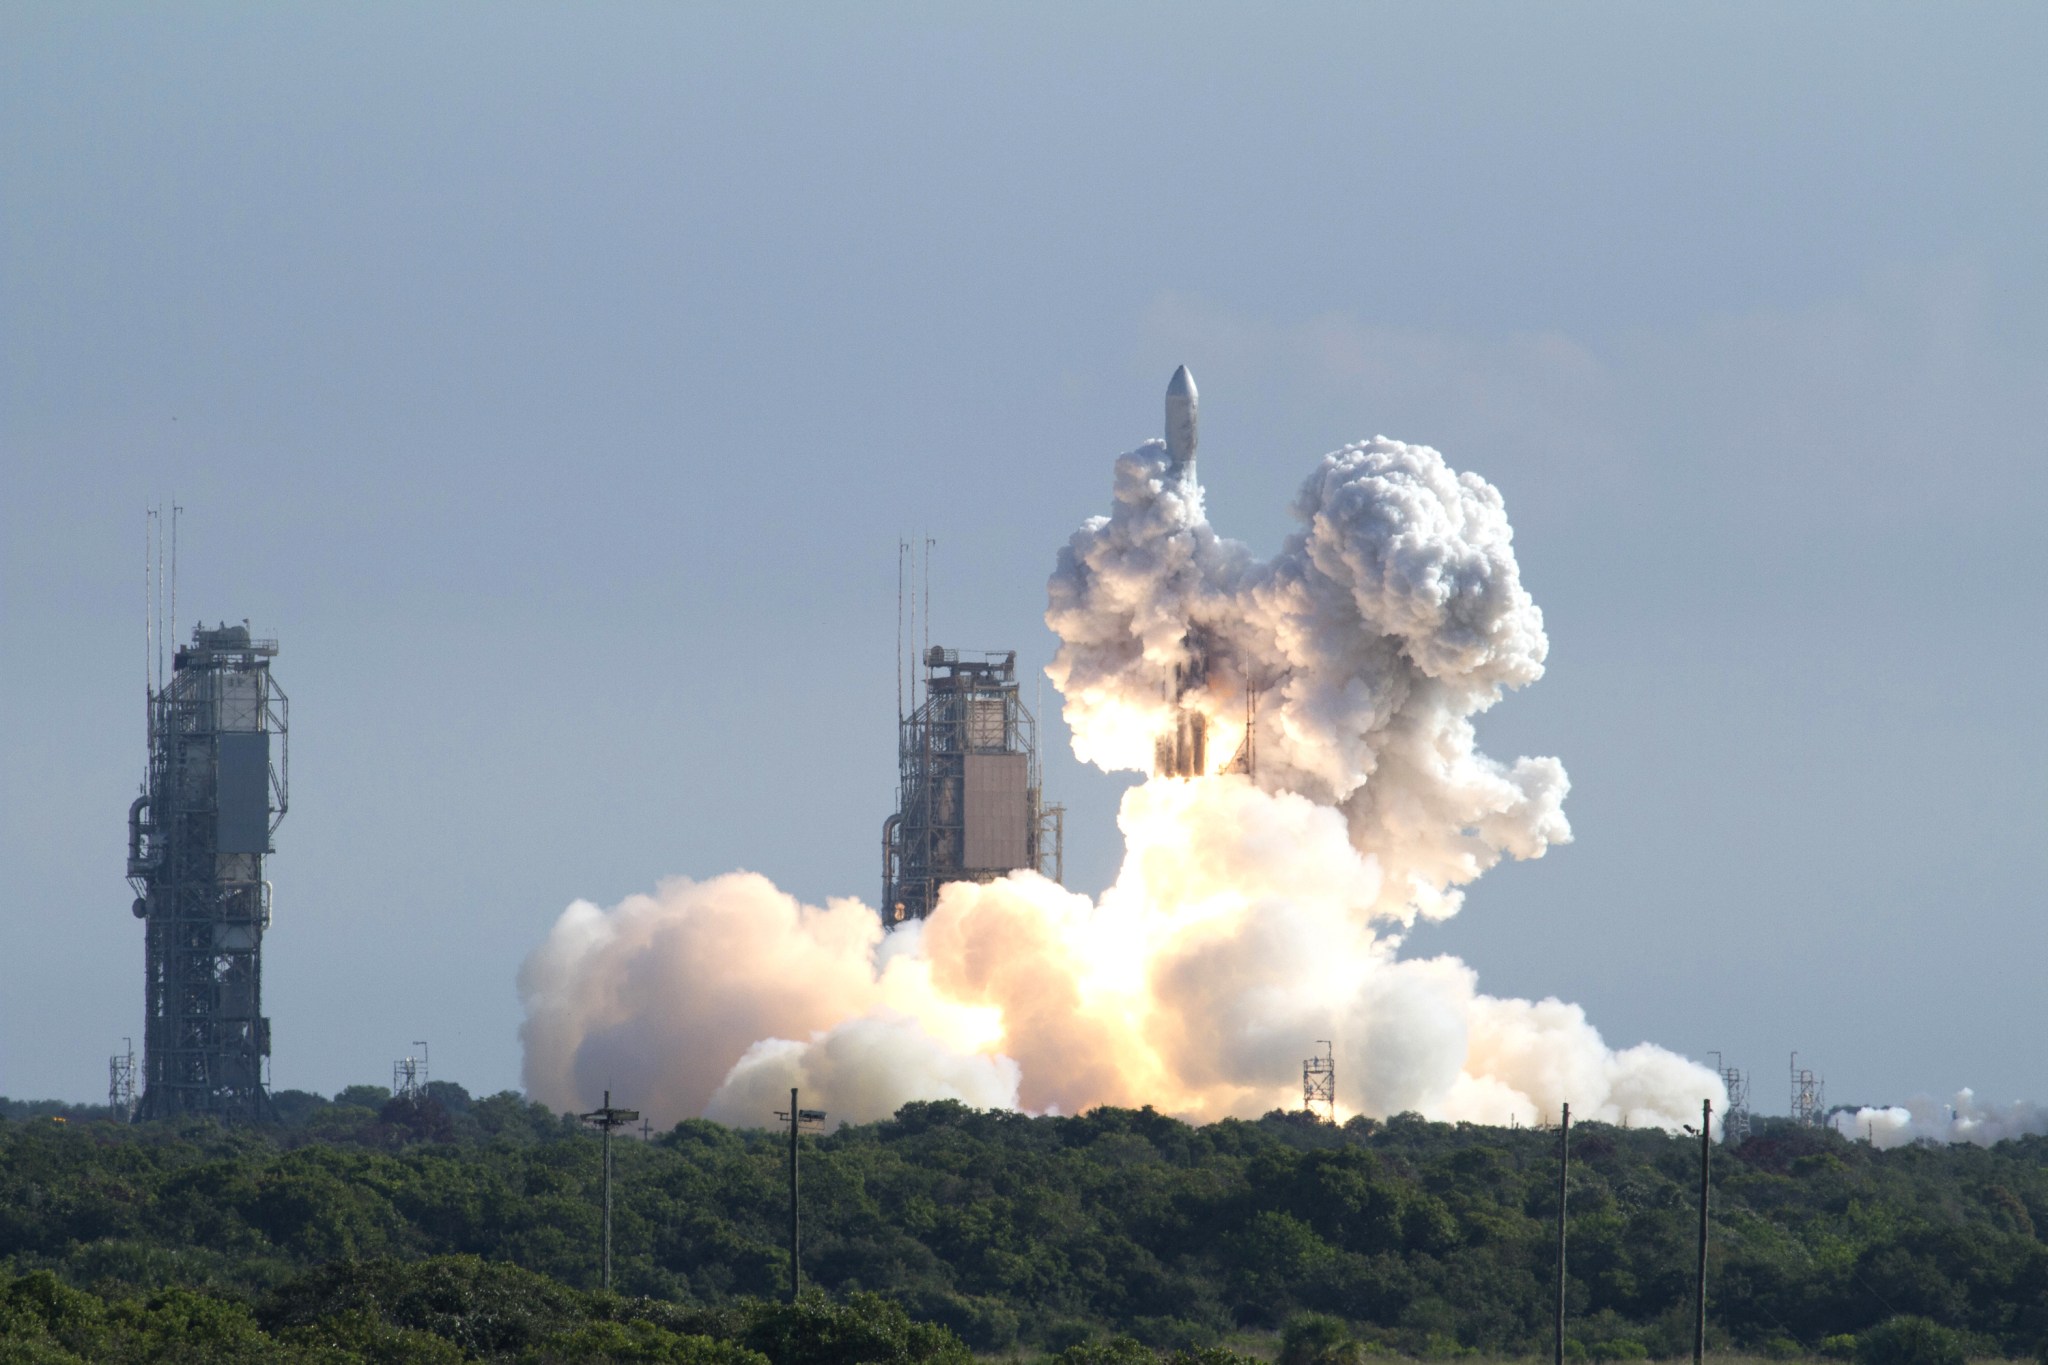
x=1016 y=1234
x=447 y=1309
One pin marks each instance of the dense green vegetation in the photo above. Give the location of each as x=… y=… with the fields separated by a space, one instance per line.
x=443 y=1310
x=1017 y=1234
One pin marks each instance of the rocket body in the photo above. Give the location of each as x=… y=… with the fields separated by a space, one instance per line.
x=1183 y=751
x=1181 y=425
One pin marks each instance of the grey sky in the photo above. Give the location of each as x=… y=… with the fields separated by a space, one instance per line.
x=554 y=383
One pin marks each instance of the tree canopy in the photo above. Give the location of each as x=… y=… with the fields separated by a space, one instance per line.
x=344 y=1226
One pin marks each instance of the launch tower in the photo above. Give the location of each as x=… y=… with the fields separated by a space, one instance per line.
x=197 y=837
x=970 y=806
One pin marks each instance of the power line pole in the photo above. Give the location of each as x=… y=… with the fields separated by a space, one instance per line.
x=605 y=1120
x=1699 y=1325
x=798 y=1120
x=1564 y=1168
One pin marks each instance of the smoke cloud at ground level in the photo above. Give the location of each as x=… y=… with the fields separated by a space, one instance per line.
x=1924 y=1119
x=1229 y=943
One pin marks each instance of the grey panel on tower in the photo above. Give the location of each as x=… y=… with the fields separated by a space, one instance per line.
x=997 y=812
x=242 y=793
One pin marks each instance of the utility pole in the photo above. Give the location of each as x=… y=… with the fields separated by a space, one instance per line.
x=605 y=1120
x=798 y=1120
x=1699 y=1325
x=1564 y=1169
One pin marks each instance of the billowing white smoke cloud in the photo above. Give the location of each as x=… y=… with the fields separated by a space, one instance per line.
x=664 y=997
x=1921 y=1119
x=1393 y=616
x=1252 y=915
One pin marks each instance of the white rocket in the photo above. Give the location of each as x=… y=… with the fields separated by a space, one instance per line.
x=1181 y=418
x=1183 y=750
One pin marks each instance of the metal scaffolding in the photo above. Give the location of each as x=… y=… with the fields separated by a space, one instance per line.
x=1319 y=1080
x=121 y=1096
x=970 y=802
x=409 y=1075
x=1735 y=1119
x=197 y=836
x=1808 y=1105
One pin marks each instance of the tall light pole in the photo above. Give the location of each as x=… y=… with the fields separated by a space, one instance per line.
x=1564 y=1170
x=798 y=1119
x=606 y=1119
x=1699 y=1322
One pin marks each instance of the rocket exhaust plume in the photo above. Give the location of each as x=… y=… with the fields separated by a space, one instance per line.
x=1261 y=903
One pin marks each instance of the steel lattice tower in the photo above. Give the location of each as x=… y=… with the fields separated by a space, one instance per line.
x=1734 y=1119
x=1319 y=1080
x=197 y=837
x=1808 y=1106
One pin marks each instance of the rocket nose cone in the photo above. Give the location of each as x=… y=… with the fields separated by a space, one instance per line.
x=1182 y=385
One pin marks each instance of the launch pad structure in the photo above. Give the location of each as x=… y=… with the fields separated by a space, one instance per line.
x=212 y=798
x=970 y=796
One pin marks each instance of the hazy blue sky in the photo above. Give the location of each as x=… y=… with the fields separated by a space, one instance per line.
x=555 y=383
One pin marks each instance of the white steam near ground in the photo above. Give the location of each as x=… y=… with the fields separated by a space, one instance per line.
x=1922 y=1119
x=1252 y=915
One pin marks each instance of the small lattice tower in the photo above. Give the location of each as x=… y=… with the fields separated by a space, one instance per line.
x=1808 y=1106
x=1735 y=1118
x=1319 y=1080
x=409 y=1075
x=121 y=1095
